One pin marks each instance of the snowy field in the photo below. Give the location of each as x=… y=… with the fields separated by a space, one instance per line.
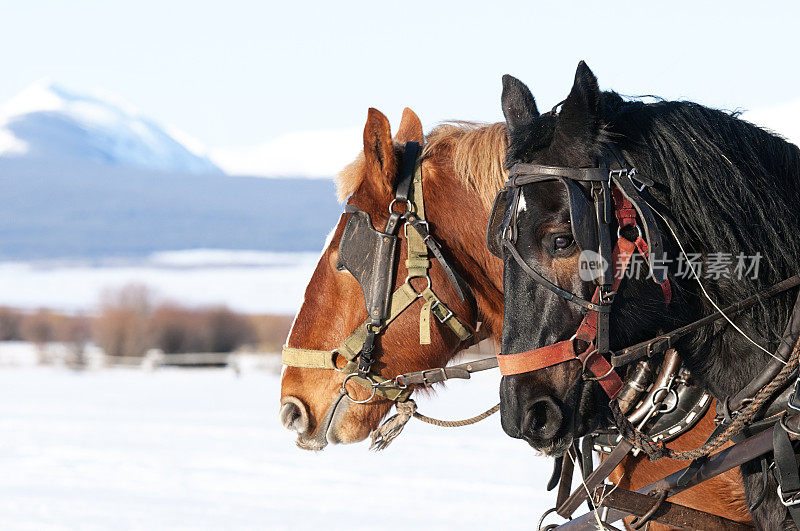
x=203 y=449
x=247 y=281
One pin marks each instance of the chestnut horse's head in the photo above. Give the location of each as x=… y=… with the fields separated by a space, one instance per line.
x=322 y=404
x=548 y=292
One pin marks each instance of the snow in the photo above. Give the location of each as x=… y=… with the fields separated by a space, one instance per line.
x=247 y=281
x=49 y=121
x=203 y=449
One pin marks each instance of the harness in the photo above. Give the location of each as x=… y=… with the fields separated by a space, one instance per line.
x=371 y=256
x=613 y=192
x=763 y=417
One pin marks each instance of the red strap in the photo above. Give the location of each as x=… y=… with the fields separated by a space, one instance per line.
x=538 y=358
x=621 y=257
x=609 y=380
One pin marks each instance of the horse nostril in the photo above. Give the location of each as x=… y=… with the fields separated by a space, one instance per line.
x=543 y=419
x=294 y=415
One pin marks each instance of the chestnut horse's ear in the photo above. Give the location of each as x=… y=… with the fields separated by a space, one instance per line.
x=519 y=107
x=379 y=151
x=410 y=128
x=579 y=119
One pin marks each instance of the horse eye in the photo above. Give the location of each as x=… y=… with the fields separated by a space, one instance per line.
x=562 y=242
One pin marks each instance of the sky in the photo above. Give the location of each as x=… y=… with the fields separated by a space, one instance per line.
x=289 y=80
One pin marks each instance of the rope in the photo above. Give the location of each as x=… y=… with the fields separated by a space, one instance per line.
x=457 y=423
x=387 y=432
x=657 y=450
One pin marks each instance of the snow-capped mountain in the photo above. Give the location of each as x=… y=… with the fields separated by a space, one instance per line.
x=49 y=122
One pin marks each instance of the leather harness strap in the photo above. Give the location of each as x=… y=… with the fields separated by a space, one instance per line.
x=360 y=343
x=593 y=330
x=533 y=360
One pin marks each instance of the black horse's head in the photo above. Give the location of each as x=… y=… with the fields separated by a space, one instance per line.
x=552 y=406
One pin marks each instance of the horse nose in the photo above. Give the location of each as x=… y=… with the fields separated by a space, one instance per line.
x=543 y=419
x=294 y=415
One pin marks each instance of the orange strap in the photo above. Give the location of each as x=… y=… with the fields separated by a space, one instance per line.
x=538 y=358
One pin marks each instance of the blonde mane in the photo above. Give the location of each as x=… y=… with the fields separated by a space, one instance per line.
x=477 y=151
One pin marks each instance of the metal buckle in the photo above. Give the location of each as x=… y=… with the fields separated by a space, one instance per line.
x=791 y=501
x=789 y=404
x=425 y=377
x=632 y=176
x=623 y=172
x=442 y=320
x=421 y=222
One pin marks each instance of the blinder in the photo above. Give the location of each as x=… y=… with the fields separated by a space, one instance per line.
x=503 y=218
x=611 y=193
x=370 y=256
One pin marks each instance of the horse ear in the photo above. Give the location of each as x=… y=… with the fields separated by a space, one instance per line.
x=579 y=119
x=410 y=129
x=379 y=151
x=519 y=107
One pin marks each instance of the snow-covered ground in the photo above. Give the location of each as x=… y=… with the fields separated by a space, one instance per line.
x=248 y=281
x=203 y=449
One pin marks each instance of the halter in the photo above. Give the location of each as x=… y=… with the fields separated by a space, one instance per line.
x=371 y=257
x=613 y=188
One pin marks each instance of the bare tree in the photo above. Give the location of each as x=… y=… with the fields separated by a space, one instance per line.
x=121 y=328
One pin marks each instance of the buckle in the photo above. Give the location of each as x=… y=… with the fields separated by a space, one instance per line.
x=794 y=396
x=421 y=222
x=449 y=314
x=439 y=370
x=790 y=501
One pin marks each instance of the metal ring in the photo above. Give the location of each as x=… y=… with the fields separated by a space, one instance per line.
x=344 y=390
x=419 y=293
x=409 y=207
x=782 y=422
x=619 y=231
x=541 y=521
x=594 y=378
x=659 y=403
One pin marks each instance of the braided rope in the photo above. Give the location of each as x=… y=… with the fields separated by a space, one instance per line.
x=457 y=423
x=383 y=436
x=656 y=450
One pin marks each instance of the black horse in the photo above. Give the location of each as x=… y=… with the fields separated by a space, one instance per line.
x=729 y=188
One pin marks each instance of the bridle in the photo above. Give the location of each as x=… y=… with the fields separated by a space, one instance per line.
x=371 y=257
x=616 y=188
x=615 y=192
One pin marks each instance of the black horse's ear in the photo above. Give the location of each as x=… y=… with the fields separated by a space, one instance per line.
x=579 y=119
x=519 y=107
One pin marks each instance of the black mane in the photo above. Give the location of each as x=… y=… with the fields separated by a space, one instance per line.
x=729 y=186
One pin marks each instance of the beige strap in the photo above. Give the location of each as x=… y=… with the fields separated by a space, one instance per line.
x=425 y=323
x=417 y=261
x=308 y=359
x=446 y=316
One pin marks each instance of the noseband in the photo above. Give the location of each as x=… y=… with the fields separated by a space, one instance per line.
x=614 y=191
x=371 y=257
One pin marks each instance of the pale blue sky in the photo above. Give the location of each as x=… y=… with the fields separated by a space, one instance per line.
x=239 y=73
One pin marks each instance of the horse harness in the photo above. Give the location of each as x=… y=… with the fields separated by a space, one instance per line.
x=371 y=256
x=614 y=190
x=763 y=417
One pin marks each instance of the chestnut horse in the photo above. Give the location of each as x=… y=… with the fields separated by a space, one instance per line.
x=462 y=169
